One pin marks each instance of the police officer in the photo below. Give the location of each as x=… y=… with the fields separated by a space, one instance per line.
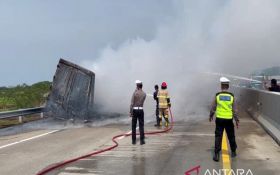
x=157 y=111
x=164 y=104
x=224 y=107
x=137 y=112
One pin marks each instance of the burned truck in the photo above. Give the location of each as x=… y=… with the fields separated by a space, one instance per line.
x=72 y=92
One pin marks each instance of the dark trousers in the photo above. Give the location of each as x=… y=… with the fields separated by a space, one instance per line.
x=157 y=115
x=228 y=125
x=138 y=115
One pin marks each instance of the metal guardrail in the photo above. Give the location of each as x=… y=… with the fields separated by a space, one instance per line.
x=21 y=112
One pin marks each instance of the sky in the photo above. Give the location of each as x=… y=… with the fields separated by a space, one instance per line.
x=36 y=33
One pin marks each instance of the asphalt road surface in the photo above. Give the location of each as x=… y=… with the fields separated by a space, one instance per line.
x=188 y=146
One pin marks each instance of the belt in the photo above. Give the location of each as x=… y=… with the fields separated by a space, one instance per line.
x=137 y=108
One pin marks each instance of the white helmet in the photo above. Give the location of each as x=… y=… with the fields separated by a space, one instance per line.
x=138 y=82
x=224 y=80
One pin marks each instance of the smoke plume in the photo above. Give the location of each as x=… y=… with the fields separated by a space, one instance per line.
x=234 y=36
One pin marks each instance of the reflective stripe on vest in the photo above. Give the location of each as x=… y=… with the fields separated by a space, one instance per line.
x=224 y=106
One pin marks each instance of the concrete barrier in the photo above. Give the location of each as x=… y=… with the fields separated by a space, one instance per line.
x=264 y=107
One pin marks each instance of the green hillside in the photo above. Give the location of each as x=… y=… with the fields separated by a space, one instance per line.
x=24 y=96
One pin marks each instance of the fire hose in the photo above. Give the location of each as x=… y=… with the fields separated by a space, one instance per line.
x=116 y=144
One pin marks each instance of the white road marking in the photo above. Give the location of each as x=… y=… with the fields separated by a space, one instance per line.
x=64 y=173
x=192 y=134
x=25 y=140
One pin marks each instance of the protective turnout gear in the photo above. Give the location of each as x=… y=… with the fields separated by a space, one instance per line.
x=158 y=122
x=163 y=113
x=164 y=103
x=163 y=99
x=224 y=105
x=166 y=121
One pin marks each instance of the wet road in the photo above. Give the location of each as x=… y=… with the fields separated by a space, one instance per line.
x=188 y=146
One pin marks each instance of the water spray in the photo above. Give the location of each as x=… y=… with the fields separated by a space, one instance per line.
x=234 y=76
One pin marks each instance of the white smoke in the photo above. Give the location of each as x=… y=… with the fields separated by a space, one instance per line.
x=235 y=36
x=249 y=36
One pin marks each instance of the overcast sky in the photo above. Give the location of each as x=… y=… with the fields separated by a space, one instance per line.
x=190 y=34
x=36 y=33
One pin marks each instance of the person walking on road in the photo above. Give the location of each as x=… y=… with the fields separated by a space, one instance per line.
x=157 y=110
x=225 y=109
x=164 y=104
x=137 y=112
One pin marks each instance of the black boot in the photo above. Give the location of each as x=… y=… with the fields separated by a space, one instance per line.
x=133 y=142
x=157 y=124
x=216 y=157
x=142 y=142
x=233 y=154
x=158 y=121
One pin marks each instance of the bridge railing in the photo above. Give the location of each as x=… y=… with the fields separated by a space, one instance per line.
x=264 y=107
x=21 y=113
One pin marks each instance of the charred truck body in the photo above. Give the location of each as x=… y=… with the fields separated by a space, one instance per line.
x=72 y=92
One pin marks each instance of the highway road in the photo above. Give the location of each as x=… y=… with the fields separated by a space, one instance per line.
x=189 y=145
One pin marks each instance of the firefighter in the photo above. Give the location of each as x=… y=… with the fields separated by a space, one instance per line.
x=164 y=104
x=157 y=111
x=225 y=109
x=137 y=112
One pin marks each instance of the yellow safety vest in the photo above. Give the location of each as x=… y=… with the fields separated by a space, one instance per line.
x=224 y=105
x=162 y=99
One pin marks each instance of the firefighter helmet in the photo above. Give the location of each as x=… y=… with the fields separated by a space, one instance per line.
x=164 y=84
